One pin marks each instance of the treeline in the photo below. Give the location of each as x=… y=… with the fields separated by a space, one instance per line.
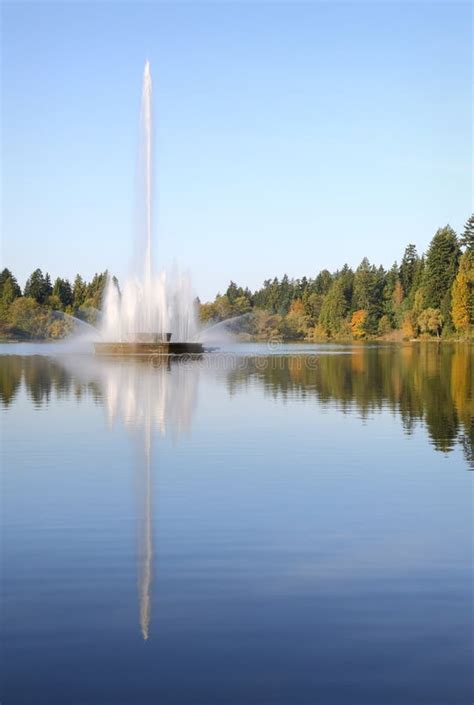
x=425 y=296
x=44 y=309
x=430 y=295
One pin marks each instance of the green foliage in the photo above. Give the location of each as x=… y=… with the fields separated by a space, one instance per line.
x=29 y=317
x=369 y=284
x=235 y=293
x=9 y=288
x=385 y=325
x=79 y=291
x=38 y=286
x=346 y=277
x=430 y=321
x=392 y=302
x=224 y=307
x=312 y=303
x=467 y=238
x=398 y=302
x=54 y=302
x=62 y=289
x=323 y=282
x=39 y=313
x=462 y=311
x=95 y=291
x=427 y=382
x=408 y=269
x=424 y=295
x=295 y=324
x=441 y=266
x=334 y=308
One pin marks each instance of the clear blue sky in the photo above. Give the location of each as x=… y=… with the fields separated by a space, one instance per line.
x=289 y=137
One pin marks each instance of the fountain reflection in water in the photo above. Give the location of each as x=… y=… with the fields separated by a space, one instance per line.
x=145 y=549
x=146 y=399
x=149 y=303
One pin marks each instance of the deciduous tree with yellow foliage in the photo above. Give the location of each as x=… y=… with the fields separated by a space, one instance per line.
x=462 y=294
x=358 y=321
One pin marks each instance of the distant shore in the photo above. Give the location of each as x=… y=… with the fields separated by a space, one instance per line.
x=5 y=340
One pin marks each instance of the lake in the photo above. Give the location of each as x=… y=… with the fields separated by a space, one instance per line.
x=284 y=525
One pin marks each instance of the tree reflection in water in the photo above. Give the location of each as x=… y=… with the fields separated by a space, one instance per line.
x=429 y=385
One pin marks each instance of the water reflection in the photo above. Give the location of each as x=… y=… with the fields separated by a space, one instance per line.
x=422 y=384
x=146 y=543
x=430 y=385
x=427 y=385
x=142 y=397
x=272 y=531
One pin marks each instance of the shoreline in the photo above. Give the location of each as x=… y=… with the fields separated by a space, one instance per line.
x=285 y=341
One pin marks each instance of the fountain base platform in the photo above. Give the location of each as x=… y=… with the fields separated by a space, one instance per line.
x=149 y=348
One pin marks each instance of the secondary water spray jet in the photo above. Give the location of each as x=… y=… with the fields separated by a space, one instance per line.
x=155 y=313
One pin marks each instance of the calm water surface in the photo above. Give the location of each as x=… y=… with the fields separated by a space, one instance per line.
x=286 y=527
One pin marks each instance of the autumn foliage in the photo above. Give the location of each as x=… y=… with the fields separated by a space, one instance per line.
x=462 y=293
x=358 y=321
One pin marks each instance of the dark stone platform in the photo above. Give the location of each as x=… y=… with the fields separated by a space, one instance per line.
x=148 y=348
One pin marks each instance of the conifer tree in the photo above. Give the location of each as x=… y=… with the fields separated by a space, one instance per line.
x=62 y=289
x=408 y=268
x=467 y=238
x=48 y=289
x=334 y=308
x=441 y=267
x=38 y=287
x=9 y=280
x=79 y=291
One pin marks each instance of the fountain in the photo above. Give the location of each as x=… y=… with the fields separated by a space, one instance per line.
x=154 y=314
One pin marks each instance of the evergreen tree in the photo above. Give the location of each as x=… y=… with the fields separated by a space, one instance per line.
x=9 y=291
x=440 y=269
x=260 y=298
x=273 y=295
x=408 y=268
x=48 y=289
x=312 y=303
x=323 y=282
x=418 y=277
x=334 y=308
x=9 y=280
x=62 y=289
x=301 y=287
x=392 y=294
x=369 y=284
x=38 y=287
x=363 y=282
x=79 y=291
x=467 y=239
x=346 y=277
x=233 y=292
x=286 y=295
x=95 y=290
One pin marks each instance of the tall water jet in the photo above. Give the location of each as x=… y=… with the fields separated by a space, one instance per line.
x=151 y=308
x=146 y=128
